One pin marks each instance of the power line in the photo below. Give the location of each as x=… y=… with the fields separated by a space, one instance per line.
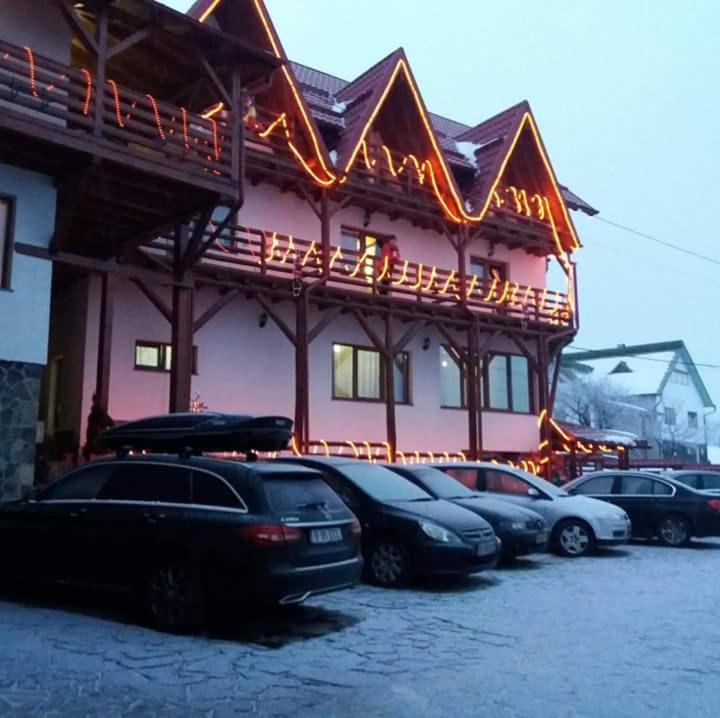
x=643 y=358
x=659 y=241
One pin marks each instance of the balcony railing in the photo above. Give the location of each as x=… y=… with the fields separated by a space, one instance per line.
x=271 y=254
x=146 y=128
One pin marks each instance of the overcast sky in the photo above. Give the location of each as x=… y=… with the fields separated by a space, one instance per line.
x=626 y=96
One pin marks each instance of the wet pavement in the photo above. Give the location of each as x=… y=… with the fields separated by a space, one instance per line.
x=631 y=632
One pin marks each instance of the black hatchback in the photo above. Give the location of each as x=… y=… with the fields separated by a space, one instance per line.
x=183 y=530
x=406 y=532
x=521 y=530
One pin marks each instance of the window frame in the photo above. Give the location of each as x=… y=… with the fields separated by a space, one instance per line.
x=614 y=485
x=489 y=264
x=463 y=379
x=693 y=420
x=382 y=398
x=6 y=256
x=509 y=386
x=162 y=348
x=669 y=413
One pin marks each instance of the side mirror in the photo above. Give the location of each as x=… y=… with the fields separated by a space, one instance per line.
x=534 y=493
x=29 y=493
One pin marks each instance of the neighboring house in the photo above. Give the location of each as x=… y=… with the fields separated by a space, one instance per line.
x=652 y=390
x=375 y=271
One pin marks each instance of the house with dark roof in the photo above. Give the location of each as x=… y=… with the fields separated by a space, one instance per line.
x=654 y=391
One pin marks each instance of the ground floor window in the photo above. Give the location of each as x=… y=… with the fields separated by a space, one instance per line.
x=452 y=379
x=359 y=374
x=507 y=383
x=7 y=207
x=155 y=356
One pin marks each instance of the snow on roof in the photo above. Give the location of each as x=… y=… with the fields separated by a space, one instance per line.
x=646 y=375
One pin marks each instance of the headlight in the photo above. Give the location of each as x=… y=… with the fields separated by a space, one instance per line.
x=438 y=533
x=513 y=525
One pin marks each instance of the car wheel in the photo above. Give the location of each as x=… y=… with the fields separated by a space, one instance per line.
x=674 y=530
x=574 y=538
x=388 y=564
x=174 y=598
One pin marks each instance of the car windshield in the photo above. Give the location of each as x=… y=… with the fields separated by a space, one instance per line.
x=540 y=484
x=382 y=484
x=442 y=485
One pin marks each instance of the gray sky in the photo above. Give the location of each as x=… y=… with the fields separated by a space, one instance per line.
x=626 y=96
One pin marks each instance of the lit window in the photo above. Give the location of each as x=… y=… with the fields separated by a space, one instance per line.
x=486 y=269
x=507 y=382
x=362 y=244
x=154 y=356
x=452 y=380
x=6 y=222
x=358 y=374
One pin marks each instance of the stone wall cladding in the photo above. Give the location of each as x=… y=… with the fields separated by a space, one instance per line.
x=19 y=409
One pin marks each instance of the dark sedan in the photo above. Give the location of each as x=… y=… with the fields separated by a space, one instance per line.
x=658 y=506
x=407 y=532
x=181 y=531
x=521 y=531
x=701 y=480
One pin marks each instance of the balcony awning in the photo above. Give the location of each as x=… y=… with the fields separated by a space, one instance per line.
x=586 y=439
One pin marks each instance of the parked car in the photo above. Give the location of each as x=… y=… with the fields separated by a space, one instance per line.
x=521 y=530
x=182 y=530
x=407 y=532
x=708 y=481
x=658 y=506
x=577 y=524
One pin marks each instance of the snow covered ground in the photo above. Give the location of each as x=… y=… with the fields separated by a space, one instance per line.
x=630 y=633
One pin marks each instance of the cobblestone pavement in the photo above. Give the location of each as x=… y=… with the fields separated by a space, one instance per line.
x=630 y=633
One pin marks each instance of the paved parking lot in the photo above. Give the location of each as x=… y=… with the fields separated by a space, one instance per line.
x=633 y=632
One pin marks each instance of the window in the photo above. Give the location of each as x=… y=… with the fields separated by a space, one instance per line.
x=82 y=485
x=504 y=483
x=660 y=488
x=381 y=483
x=680 y=377
x=352 y=240
x=298 y=493
x=711 y=482
x=691 y=480
x=636 y=486
x=452 y=379
x=600 y=486
x=669 y=416
x=7 y=215
x=359 y=374
x=485 y=269
x=148 y=482
x=692 y=419
x=153 y=356
x=467 y=477
x=210 y=491
x=507 y=384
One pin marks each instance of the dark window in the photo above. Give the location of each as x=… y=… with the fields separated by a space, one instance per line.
x=692 y=419
x=487 y=270
x=669 y=416
x=294 y=493
x=381 y=483
x=148 y=482
x=636 y=486
x=452 y=379
x=711 y=481
x=467 y=477
x=343 y=489
x=209 y=490
x=359 y=374
x=507 y=382
x=691 y=480
x=155 y=356
x=7 y=215
x=442 y=485
x=82 y=485
x=602 y=485
x=504 y=483
x=660 y=488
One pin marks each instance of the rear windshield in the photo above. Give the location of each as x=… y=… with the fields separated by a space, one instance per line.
x=382 y=484
x=442 y=484
x=287 y=493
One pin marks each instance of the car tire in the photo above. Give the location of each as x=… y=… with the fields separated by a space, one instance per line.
x=573 y=538
x=674 y=530
x=388 y=564
x=174 y=598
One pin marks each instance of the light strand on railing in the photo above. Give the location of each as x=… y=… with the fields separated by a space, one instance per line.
x=88 y=91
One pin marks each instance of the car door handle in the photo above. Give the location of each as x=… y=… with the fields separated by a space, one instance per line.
x=153 y=518
x=77 y=514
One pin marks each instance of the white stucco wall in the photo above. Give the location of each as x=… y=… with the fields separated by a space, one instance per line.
x=25 y=306
x=683 y=398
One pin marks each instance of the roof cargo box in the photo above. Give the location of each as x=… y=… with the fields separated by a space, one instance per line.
x=202 y=432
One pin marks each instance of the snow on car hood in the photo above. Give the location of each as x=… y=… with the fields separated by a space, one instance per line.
x=592 y=507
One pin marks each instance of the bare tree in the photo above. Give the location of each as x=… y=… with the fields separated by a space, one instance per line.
x=591 y=401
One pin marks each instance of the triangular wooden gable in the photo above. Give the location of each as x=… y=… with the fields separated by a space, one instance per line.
x=510 y=154
x=250 y=21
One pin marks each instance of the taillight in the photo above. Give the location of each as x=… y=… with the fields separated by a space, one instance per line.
x=714 y=504
x=272 y=534
x=356 y=528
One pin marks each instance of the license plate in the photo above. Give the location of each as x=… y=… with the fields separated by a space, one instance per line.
x=485 y=549
x=326 y=535
x=541 y=538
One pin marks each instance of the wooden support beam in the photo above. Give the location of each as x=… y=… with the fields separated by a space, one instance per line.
x=390 y=419
x=72 y=190
x=219 y=229
x=472 y=397
x=372 y=336
x=104 y=355
x=226 y=96
x=409 y=335
x=76 y=24
x=302 y=374
x=181 y=365
x=129 y=41
x=237 y=131
x=279 y=321
x=103 y=21
x=199 y=228
x=154 y=299
x=330 y=316
x=525 y=350
x=452 y=341
x=214 y=309
x=325 y=233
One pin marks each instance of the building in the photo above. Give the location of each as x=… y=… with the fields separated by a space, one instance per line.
x=654 y=391
x=284 y=241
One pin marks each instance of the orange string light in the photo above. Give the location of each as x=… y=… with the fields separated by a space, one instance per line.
x=116 y=98
x=156 y=112
x=88 y=91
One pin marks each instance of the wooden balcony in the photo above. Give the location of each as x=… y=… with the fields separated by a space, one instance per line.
x=273 y=256
x=53 y=113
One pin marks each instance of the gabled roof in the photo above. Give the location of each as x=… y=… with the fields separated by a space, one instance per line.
x=651 y=366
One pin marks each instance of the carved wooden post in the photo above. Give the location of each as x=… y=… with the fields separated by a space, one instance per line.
x=181 y=365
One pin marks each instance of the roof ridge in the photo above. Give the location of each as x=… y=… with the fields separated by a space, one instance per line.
x=394 y=54
x=619 y=351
